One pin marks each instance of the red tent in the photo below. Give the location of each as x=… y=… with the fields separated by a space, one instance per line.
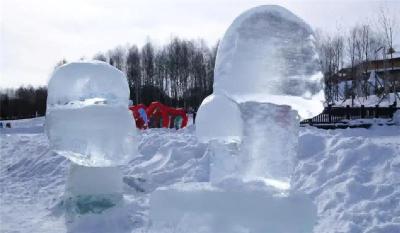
x=159 y=116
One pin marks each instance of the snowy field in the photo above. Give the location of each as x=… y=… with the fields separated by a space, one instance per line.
x=352 y=175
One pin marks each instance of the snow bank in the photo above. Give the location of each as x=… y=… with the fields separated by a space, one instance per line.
x=368 y=101
x=351 y=175
x=268 y=55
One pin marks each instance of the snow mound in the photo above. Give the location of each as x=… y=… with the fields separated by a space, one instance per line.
x=353 y=177
x=268 y=55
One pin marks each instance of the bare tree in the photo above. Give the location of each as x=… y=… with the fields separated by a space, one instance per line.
x=388 y=27
x=133 y=72
x=117 y=57
x=100 y=57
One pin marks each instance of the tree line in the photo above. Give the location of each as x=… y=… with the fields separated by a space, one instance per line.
x=23 y=102
x=179 y=74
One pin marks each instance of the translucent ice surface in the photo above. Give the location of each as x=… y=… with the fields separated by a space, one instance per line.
x=87 y=119
x=201 y=207
x=219 y=118
x=269 y=142
x=268 y=55
x=79 y=81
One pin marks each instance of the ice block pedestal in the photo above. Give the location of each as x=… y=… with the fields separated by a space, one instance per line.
x=201 y=207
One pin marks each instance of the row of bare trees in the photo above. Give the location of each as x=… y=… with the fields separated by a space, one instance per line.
x=179 y=73
x=354 y=50
x=23 y=102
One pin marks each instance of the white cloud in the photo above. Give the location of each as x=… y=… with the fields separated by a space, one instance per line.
x=37 y=34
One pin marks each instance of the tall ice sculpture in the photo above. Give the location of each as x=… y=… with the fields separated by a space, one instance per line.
x=266 y=79
x=88 y=122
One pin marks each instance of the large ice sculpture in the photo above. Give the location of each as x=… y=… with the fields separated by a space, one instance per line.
x=87 y=117
x=268 y=55
x=267 y=64
x=88 y=122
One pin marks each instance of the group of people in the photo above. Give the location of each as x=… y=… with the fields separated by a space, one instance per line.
x=158 y=115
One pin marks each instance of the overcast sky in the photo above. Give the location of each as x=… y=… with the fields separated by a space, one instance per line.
x=35 y=35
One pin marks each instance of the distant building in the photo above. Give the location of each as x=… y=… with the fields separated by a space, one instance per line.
x=379 y=78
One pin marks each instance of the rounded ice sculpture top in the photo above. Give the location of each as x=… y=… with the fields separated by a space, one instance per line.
x=80 y=82
x=268 y=55
x=219 y=118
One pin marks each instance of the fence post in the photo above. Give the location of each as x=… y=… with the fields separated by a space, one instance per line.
x=376 y=111
x=362 y=113
x=330 y=113
x=348 y=112
x=392 y=109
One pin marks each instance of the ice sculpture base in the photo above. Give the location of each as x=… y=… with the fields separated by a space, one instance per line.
x=201 y=207
x=92 y=189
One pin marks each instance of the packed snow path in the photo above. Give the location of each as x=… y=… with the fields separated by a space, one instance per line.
x=353 y=176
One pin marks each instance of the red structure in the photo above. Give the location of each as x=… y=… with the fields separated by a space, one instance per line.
x=138 y=119
x=157 y=115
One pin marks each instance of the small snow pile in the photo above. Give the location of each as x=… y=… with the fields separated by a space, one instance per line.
x=266 y=74
x=87 y=117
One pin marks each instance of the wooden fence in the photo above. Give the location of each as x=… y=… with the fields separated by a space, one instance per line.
x=332 y=115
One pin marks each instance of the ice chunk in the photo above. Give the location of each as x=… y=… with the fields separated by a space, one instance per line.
x=200 y=207
x=87 y=119
x=269 y=143
x=219 y=118
x=78 y=81
x=226 y=161
x=94 y=135
x=94 y=180
x=268 y=55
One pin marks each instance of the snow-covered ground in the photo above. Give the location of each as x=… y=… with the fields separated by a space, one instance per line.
x=369 y=101
x=352 y=175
